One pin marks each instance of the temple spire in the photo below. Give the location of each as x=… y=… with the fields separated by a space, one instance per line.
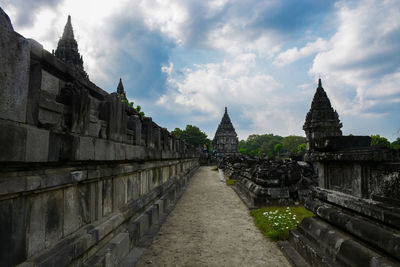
x=68 y=31
x=121 y=90
x=67 y=48
x=322 y=120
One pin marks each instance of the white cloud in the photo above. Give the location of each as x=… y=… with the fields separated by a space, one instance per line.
x=208 y=87
x=234 y=83
x=293 y=54
x=167 y=69
x=361 y=65
x=170 y=17
x=233 y=39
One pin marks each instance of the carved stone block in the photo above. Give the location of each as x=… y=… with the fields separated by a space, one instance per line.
x=37 y=145
x=50 y=83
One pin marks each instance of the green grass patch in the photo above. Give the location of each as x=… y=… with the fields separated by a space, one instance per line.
x=230 y=181
x=276 y=221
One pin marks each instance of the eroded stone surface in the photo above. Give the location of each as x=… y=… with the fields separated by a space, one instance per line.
x=14 y=71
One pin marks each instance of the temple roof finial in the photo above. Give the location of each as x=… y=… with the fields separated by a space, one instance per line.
x=319 y=82
x=120 y=88
x=226 y=110
x=68 y=31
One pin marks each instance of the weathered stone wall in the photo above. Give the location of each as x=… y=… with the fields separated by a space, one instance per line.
x=361 y=171
x=357 y=207
x=82 y=176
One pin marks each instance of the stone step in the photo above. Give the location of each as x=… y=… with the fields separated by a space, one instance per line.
x=337 y=247
x=292 y=255
x=112 y=253
x=317 y=230
x=370 y=231
x=308 y=250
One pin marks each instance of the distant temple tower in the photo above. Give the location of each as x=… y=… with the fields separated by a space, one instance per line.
x=321 y=120
x=225 y=139
x=121 y=90
x=67 y=49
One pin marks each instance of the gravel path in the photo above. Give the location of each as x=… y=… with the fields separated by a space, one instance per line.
x=210 y=226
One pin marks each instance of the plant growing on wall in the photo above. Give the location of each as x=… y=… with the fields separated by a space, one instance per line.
x=131 y=104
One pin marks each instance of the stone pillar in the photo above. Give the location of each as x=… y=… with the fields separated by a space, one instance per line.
x=147 y=132
x=157 y=136
x=135 y=125
x=113 y=112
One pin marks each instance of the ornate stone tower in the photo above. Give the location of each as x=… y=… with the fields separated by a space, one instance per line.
x=225 y=139
x=321 y=120
x=67 y=49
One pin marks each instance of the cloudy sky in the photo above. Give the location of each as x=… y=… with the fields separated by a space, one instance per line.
x=183 y=61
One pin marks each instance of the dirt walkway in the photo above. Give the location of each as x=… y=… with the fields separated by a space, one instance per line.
x=210 y=226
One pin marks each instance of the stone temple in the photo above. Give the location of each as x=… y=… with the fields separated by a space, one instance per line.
x=225 y=139
x=321 y=120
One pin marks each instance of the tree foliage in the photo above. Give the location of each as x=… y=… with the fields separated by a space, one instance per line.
x=291 y=142
x=258 y=145
x=131 y=104
x=396 y=143
x=264 y=144
x=192 y=135
x=301 y=149
x=377 y=140
x=278 y=149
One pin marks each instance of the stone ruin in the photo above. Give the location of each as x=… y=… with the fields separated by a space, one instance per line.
x=261 y=182
x=356 y=202
x=84 y=177
x=352 y=187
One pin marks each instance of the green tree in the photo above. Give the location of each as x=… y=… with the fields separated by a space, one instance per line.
x=192 y=135
x=301 y=149
x=177 y=132
x=278 y=149
x=243 y=151
x=291 y=142
x=377 y=140
x=258 y=145
x=396 y=144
